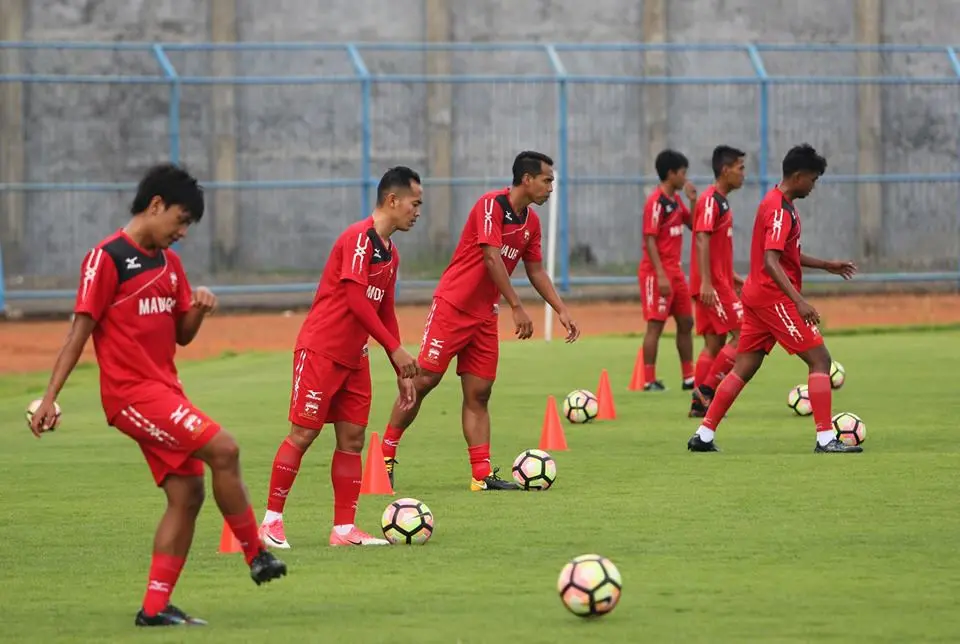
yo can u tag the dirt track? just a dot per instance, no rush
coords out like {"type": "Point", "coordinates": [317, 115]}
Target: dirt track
{"type": "Point", "coordinates": [33, 345]}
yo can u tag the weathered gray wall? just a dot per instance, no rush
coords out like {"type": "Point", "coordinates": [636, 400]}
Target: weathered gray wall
{"type": "Point", "coordinates": [111, 132]}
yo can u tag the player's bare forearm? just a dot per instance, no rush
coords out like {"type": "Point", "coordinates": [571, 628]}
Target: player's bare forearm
{"type": "Point", "coordinates": [771, 264]}
{"type": "Point", "coordinates": [651, 243]}
{"type": "Point", "coordinates": [544, 285]}
{"type": "Point", "coordinates": [83, 326]}
{"type": "Point", "coordinates": [808, 261]}
{"type": "Point", "coordinates": [499, 275]}
{"type": "Point", "coordinates": [188, 326]}
{"type": "Point", "coordinates": [703, 257]}
{"type": "Point", "coordinates": [388, 315]}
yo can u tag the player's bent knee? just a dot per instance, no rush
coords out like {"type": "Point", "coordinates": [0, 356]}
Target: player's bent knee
{"type": "Point", "coordinates": [684, 324]}
{"type": "Point", "coordinates": [427, 381]}
{"type": "Point", "coordinates": [350, 437]}
{"type": "Point", "coordinates": [818, 359]}
{"type": "Point", "coordinates": [302, 437]}
{"type": "Point", "coordinates": [185, 493]}
{"type": "Point", "coordinates": [221, 453]}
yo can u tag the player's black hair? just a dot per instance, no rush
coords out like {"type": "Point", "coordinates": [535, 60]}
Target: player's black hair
{"type": "Point", "coordinates": [174, 185]}
{"type": "Point", "coordinates": [397, 177]}
{"type": "Point", "coordinates": [529, 162]}
{"type": "Point", "coordinates": [803, 158]}
{"type": "Point", "coordinates": [670, 161]}
{"type": "Point", "coordinates": [724, 155]}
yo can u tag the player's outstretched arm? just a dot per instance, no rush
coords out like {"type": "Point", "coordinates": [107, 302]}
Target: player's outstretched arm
{"type": "Point", "coordinates": [80, 331]}
{"type": "Point", "coordinates": [838, 267]}
{"type": "Point", "coordinates": [500, 276]}
{"type": "Point", "coordinates": [544, 285]}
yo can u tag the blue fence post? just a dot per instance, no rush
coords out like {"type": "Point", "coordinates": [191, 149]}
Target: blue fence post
{"type": "Point", "coordinates": [173, 132]}
{"type": "Point", "coordinates": [360, 67]}
{"type": "Point", "coordinates": [563, 167]}
{"type": "Point", "coordinates": [955, 62]}
{"type": "Point", "coordinates": [764, 116]}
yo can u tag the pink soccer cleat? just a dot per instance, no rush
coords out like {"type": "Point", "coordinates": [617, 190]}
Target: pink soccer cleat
{"type": "Point", "coordinates": [272, 534]}
{"type": "Point", "coordinates": [356, 537]}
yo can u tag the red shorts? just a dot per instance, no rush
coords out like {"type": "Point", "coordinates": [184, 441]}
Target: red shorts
{"type": "Point", "coordinates": [325, 391]}
{"type": "Point", "coordinates": [169, 429]}
{"type": "Point", "coordinates": [722, 318]}
{"type": "Point", "coordinates": [450, 332]}
{"type": "Point", "coordinates": [657, 308]}
{"type": "Point", "coordinates": [778, 323]}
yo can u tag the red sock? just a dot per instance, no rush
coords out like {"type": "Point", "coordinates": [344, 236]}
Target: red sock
{"type": "Point", "coordinates": [721, 366]}
{"type": "Point", "coordinates": [649, 372]}
{"type": "Point", "coordinates": [687, 369]}
{"type": "Point", "coordinates": [726, 393]}
{"type": "Point", "coordinates": [164, 573]}
{"type": "Point", "coordinates": [346, 474]}
{"type": "Point", "coordinates": [246, 531]}
{"type": "Point", "coordinates": [480, 461]}
{"type": "Point", "coordinates": [704, 362]}
{"type": "Point", "coordinates": [821, 399]}
{"type": "Point", "coordinates": [391, 440]}
{"type": "Point", "coordinates": [286, 464]}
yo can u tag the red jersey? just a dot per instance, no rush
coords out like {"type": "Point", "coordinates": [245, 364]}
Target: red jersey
{"type": "Point", "coordinates": [713, 215]}
{"type": "Point", "coordinates": [466, 283]}
{"type": "Point", "coordinates": [664, 217]}
{"type": "Point", "coordinates": [136, 297]}
{"type": "Point", "coordinates": [777, 227]}
{"type": "Point", "coordinates": [331, 329]}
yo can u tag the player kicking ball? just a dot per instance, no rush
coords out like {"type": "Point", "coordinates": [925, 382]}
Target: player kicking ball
{"type": "Point", "coordinates": [663, 286]}
{"type": "Point", "coordinates": [136, 302]}
{"type": "Point", "coordinates": [718, 309]}
{"type": "Point", "coordinates": [501, 229]}
{"type": "Point", "coordinates": [331, 367]}
{"type": "Point", "coordinates": [774, 311]}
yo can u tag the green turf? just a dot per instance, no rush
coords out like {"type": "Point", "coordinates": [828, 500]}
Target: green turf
{"type": "Point", "coordinates": [763, 542]}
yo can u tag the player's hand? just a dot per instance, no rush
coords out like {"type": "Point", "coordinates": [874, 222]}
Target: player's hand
{"type": "Point", "coordinates": [573, 331]}
{"type": "Point", "coordinates": [408, 393]}
{"type": "Point", "coordinates": [846, 270]}
{"type": "Point", "coordinates": [708, 295]}
{"type": "Point", "coordinates": [44, 417]}
{"type": "Point", "coordinates": [204, 300]}
{"type": "Point", "coordinates": [405, 363]}
{"type": "Point", "coordinates": [663, 283]}
{"type": "Point", "coordinates": [807, 312]}
{"type": "Point", "coordinates": [524, 325]}
{"type": "Point", "coordinates": [690, 190]}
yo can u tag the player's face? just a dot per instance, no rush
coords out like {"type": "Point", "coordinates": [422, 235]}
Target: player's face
{"type": "Point", "coordinates": [540, 186]}
{"type": "Point", "coordinates": [805, 183]}
{"type": "Point", "coordinates": [406, 206]}
{"type": "Point", "coordinates": [735, 174]}
{"type": "Point", "coordinates": [678, 178]}
{"type": "Point", "coordinates": [168, 223]}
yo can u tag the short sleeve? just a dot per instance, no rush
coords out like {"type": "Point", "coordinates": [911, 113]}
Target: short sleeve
{"type": "Point", "coordinates": [777, 226]}
{"type": "Point", "coordinates": [705, 220]}
{"type": "Point", "coordinates": [355, 266]}
{"type": "Point", "coordinates": [685, 215]}
{"type": "Point", "coordinates": [534, 250]}
{"type": "Point", "coordinates": [184, 292]}
{"type": "Point", "coordinates": [488, 218]}
{"type": "Point", "coordinates": [98, 284]}
{"type": "Point", "coordinates": [652, 214]}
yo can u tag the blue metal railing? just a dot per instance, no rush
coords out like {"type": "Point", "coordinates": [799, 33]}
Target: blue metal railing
{"type": "Point", "coordinates": [558, 73]}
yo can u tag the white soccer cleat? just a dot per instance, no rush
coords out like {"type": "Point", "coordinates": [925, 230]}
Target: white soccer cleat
{"type": "Point", "coordinates": [272, 534]}
{"type": "Point", "coordinates": [356, 537]}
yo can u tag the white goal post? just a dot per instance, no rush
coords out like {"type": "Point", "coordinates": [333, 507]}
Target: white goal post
{"type": "Point", "coordinates": [552, 232]}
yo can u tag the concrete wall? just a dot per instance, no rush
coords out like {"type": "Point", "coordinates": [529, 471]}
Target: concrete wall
{"type": "Point", "coordinates": [111, 132]}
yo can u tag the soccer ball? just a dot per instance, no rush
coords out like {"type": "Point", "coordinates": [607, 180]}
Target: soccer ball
{"type": "Point", "coordinates": [32, 409]}
{"type": "Point", "coordinates": [799, 401]}
{"type": "Point", "coordinates": [850, 428]}
{"type": "Point", "coordinates": [589, 586]}
{"type": "Point", "coordinates": [837, 375]}
{"type": "Point", "coordinates": [580, 406]}
{"type": "Point", "coordinates": [534, 469]}
{"type": "Point", "coordinates": [407, 521]}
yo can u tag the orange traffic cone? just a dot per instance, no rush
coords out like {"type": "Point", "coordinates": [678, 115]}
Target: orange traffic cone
{"type": "Point", "coordinates": [636, 380]}
{"type": "Point", "coordinates": [551, 436]}
{"type": "Point", "coordinates": [607, 410]}
{"type": "Point", "coordinates": [228, 541]}
{"type": "Point", "coordinates": [375, 478]}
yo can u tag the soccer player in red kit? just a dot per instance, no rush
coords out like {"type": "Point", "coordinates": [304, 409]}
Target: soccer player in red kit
{"type": "Point", "coordinates": [136, 302]}
{"type": "Point", "coordinates": [663, 286]}
{"type": "Point", "coordinates": [718, 309]}
{"type": "Point", "coordinates": [774, 311]}
{"type": "Point", "coordinates": [502, 229]}
{"type": "Point", "coordinates": [331, 368]}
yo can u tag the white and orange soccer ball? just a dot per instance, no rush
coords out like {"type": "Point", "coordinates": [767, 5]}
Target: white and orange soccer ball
{"type": "Point", "coordinates": [32, 409]}
{"type": "Point", "coordinates": [590, 586]}
{"type": "Point", "coordinates": [838, 375]}
{"type": "Point", "coordinates": [534, 469]}
{"type": "Point", "coordinates": [850, 428]}
{"type": "Point", "coordinates": [799, 401]}
{"type": "Point", "coordinates": [580, 406]}
{"type": "Point", "coordinates": [407, 521]}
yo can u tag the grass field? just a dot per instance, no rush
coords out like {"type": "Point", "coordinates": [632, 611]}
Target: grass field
{"type": "Point", "coordinates": [763, 542]}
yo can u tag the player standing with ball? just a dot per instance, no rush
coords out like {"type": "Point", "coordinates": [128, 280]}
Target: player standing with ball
{"type": "Point", "coordinates": [136, 302]}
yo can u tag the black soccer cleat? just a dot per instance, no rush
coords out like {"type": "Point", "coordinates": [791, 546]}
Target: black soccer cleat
{"type": "Point", "coordinates": [191, 621]}
{"type": "Point", "coordinates": [493, 483]}
{"type": "Point", "coordinates": [697, 444]}
{"type": "Point", "coordinates": [687, 385]}
{"type": "Point", "coordinates": [163, 618]}
{"type": "Point", "coordinates": [390, 464]}
{"type": "Point", "coordinates": [266, 567]}
{"type": "Point", "coordinates": [837, 446]}
{"type": "Point", "coordinates": [656, 385]}
{"type": "Point", "coordinates": [700, 401]}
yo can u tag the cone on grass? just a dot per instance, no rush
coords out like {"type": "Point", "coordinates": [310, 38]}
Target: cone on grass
{"type": "Point", "coordinates": [228, 541]}
{"type": "Point", "coordinates": [636, 380]}
{"type": "Point", "coordinates": [607, 410]}
{"type": "Point", "coordinates": [375, 479]}
{"type": "Point", "coordinates": [551, 435]}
